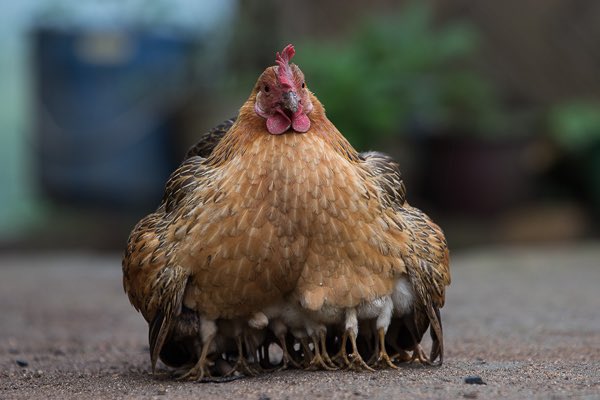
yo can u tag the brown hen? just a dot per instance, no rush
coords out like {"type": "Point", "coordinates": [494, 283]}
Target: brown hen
{"type": "Point", "coordinates": [273, 219]}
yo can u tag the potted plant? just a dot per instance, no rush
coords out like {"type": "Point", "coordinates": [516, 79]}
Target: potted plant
{"type": "Point", "coordinates": [574, 126]}
{"type": "Point", "coordinates": [403, 83]}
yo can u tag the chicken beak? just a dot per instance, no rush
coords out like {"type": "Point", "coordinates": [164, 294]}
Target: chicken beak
{"type": "Point", "coordinates": [290, 101]}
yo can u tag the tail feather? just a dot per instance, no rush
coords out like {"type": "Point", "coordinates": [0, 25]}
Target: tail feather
{"type": "Point", "coordinates": [421, 286]}
{"type": "Point", "coordinates": [170, 285]}
{"type": "Point", "coordinates": [157, 336]}
{"type": "Point", "coordinates": [437, 347]}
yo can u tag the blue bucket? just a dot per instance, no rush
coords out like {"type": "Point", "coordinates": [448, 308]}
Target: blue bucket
{"type": "Point", "coordinates": [103, 104]}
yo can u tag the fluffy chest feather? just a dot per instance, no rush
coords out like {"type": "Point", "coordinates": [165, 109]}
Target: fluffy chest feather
{"type": "Point", "coordinates": [289, 213]}
{"type": "Point", "coordinates": [297, 179]}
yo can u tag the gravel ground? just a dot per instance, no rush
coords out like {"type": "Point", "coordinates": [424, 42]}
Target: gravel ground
{"type": "Point", "coordinates": [526, 321]}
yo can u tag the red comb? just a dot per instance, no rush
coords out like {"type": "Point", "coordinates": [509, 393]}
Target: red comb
{"type": "Point", "coordinates": [283, 60]}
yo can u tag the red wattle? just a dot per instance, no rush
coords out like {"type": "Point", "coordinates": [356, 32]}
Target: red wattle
{"type": "Point", "coordinates": [278, 123]}
{"type": "Point", "coordinates": [300, 123]}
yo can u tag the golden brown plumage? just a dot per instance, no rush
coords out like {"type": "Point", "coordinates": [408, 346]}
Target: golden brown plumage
{"type": "Point", "coordinates": [253, 219]}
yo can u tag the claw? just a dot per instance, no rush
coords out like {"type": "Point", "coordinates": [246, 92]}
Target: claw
{"type": "Point", "coordinates": [356, 361]}
{"type": "Point", "coordinates": [200, 370]}
{"type": "Point", "coordinates": [317, 361]}
{"type": "Point", "coordinates": [341, 358]}
{"type": "Point", "coordinates": [196, 373]}
{"type": "Point", "coordinates": [383, 360]}
{"type": "Point", "coordinates": [324, 353]}
{"type": "Point", "coordinates": [241, 365]}
{"type": "Point", "coordinates": [401, 357]}
{"type": "Point", "coordinates": [257, 356]}
{"type": "Point", "coordinates": [287, 359]}
{"type": "Point", "coordinates": [419, 355]}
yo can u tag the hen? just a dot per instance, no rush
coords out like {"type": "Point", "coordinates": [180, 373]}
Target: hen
{"type": "Point", "coordinates": [275, 229]}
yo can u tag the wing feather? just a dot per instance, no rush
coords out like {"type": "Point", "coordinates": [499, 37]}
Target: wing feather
{"type": "Point", "coordinates": [209, 140]}
{"type": "Point", "coordinates": [425, 253]}
{"type": "Point", "coordinates": [385, 172]}
{"type": "Point", "coordinates": [152, 279]}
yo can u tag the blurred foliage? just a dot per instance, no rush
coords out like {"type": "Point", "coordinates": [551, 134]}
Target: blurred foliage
{"type": "Point", "coordinates": [401, 74]}
{"type": "Point", "coordinates": [576, 124]}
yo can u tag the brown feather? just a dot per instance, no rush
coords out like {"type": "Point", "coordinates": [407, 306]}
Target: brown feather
{"type": "Point", "coordinates": [250, 219]}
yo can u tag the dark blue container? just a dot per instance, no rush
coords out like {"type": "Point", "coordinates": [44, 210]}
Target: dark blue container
{"type": "Point", "coordinates": [103, 104]}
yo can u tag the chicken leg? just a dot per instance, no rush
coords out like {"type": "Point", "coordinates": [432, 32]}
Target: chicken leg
{"type": "Point", "coordinates": [280, 330]}
{"type": "Point", "coordinates": [383, 359]}
{"type": "Point", "coordinates": [324, 353]}
{"type": "Point", "coordinates": [286, 359]}
{"type": "Point", "coordinates": [252, 343]}
{"type": "Point", "coordinates": [208, 331]}
{"type": "Point", "coordinates": [419, 355]}
{"type": "Point", "coordinates": [241, 365]}
{"type": "Point", "coordinates": [341, 358]}
{"type": "Point", "coordinates": [200, 370]}
{"type": "Point", "coordinates": [418, 352]}
{"type": "Point", "coordinates": [383, 308]}
{"type": "Point", "coordinates": [318, 362]}
{"type": "Point", "coordinates": [401, 356]}
{"type": "Point", "coordinates": [307, 353]}
{"type": "Point", "coordinates": [356, 361]}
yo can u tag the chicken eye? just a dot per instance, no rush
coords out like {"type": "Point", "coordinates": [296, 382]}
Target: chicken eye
{"type": "Point", "coordinates": [303, 85]}
{"type": "Point", "coordinates": [266, 89]}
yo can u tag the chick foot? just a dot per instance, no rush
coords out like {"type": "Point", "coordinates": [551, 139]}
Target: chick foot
{"type": "Point", "coordinates": [286, 359]}
{"type": "Point", "coordinates": [419, 355]}
{"type": "Point", "coordinates": [341, 358]}
{"type": "Point", "coordinates": [253, 350]}
{"type": "Point", "coordinates": [317, 361]}
{"type": "Point", "coordinates": [241, 365]}
{"type": "Point", "coordinates": [356, 361]}
{"type": "Point", "coordinates": [401, 357]}
{"type": "Point", "coordinates": [383, 359]}
{"type": "Point", "coordinates": [199, 371]}
{"type": "Point", "coordinates": [324, 353]}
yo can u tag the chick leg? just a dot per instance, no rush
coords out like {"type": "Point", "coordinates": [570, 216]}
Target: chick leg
{"type": "Point", "coordinates": [306, 352]}
{"type": "Point", "coordinates": [324, 353]}
{"type": "Point", "coordinates": [317, 361]}
{"type": "Point", "coordinates": [264, 356]}
{"type": "Point", "coordinates": [252, 348]}
{"type": "Point", "coordinates": [208, 331]}
{"type": "Point", "coordinates": [383, 359]}
{"type": "Point", "coordinates": [419, 355]}
{"type": "Point", "coordinates": [374, 353]}
{"type": "Point", "coordinates": [356, 361]}
{"type": "Point", "coordinates": [418, 352]}
{"type": "Point", "coordinates": [241, 365]}
{"type": "Point", "coordinates": [200, 370]}
{"type": "Point", "coordinates": [341, 358]}
{"type": "Point", "coordinates": [401, 355]}
{"type": "Point", "coordinates": [371, 342]}
{"type": "Point", "coordinates": [286, 358]}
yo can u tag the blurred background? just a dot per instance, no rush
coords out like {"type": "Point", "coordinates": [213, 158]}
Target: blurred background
{"type": "Point", "coordinates": [492, 108]}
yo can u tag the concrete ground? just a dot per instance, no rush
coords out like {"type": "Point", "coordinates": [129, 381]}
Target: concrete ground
{"type": "Point", "coordinates": [526, 321]}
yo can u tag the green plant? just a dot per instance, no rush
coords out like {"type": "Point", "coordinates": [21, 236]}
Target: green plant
{"type": "Point", "coordinates": [400, 73]}
{"type": "Point", "coordinates": [575, 124]}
